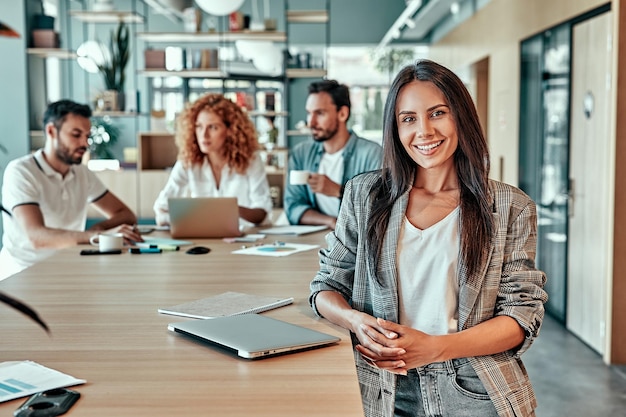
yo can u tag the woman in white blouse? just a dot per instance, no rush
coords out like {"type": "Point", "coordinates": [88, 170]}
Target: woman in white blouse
{"type": "Point", "coordinates": [217, 157]}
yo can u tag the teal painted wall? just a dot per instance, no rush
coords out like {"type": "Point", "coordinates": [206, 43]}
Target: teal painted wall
{"type": "Point", "coordinates": [13, 106]}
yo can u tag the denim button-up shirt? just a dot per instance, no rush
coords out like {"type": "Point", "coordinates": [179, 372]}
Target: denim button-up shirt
{"type": "Point", "coordinates": [359, 155]}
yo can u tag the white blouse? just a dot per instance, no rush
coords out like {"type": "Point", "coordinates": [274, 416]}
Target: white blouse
{"type": "Point", "coordinates": [251, 188]}
{"type": "Point", "coordinates": [428, 286]}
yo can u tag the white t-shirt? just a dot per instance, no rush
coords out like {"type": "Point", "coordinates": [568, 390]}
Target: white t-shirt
{"type": "Point", "coordinates": [428, 287]}
{"type": "Point", "coordinates": [332, 166]}
{"type": "Point", "coordinates": [251, 189]}
{"type": "Point", "coordinates": [63, 202]}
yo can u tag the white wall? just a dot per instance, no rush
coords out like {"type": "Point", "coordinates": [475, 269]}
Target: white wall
{"type": "Point", "coordinates": [496, 31]}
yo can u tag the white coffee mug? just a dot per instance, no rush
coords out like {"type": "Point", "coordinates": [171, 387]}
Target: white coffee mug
{"type": "Point", "coordinates": [298, 177]}
{"type": "Point", "coordinates": [108, 241]}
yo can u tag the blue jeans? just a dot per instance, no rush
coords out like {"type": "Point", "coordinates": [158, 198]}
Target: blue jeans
{"type": "Point", "coordinates": [443, 389]}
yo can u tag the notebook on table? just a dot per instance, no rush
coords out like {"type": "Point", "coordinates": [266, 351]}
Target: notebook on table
{"type": "Point", "coordinates": [296, 230]}
{"type": "Point", "coordinates": [253, 336]}
{"type": "Point", "coordinates": [229, 303]}
{"type": "Point", "coordinates": [204, 217]}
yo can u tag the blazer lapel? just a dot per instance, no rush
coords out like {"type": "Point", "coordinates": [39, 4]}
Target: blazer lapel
{"type": "Point", "coordinates": [387, 273]}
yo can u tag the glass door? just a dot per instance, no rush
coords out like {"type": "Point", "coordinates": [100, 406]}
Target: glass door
{"type": "Point", "coordinates": [544, 147]}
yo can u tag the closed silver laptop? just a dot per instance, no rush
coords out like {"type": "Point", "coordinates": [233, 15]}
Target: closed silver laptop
{"type": "Point", "coordinates": [254, 336]}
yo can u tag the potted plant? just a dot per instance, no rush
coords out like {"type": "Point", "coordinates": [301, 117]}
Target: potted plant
{"type": "Point", "coordinates": [102, 137]}
{"type": "Point", "coordinates": [42, 20]}
{"type": "Point", "coordinates": [113, 67]}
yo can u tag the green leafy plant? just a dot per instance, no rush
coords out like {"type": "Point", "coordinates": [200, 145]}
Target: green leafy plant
{"type": "Point", "coordinates": [103, 135]}
{"type": "Point", "coordinates": [389, 60]}
{"type": "Point", "coordinates": [113, 69]}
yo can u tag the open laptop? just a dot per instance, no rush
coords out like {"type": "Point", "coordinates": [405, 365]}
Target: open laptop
{"type": "Point", "coordinates": [253, 336]}
{"type": "Point", "coordinates": [204, 217]}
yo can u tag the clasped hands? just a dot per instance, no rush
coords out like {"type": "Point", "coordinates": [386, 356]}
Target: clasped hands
{"type": "Point", "coordinates": [394, 347]}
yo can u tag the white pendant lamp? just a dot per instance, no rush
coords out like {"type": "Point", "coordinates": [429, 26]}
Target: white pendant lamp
{"type": "Point", "coordinates": [219, 7]}
{"type": "Point", "coordinates": [90, 55]}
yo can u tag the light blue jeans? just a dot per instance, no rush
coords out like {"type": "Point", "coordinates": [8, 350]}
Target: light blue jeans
{"type": "Point", "coordinates": [443, 389]}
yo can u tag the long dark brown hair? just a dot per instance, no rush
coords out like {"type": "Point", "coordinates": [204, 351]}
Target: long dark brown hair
{"type": "Point", "coordinates": [471, 159]}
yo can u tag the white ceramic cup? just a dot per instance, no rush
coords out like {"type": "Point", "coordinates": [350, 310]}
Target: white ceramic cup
{"type": "Point", "coordinates": [298, 177]}
{"type": "Point", "coordinates": [108, 241]}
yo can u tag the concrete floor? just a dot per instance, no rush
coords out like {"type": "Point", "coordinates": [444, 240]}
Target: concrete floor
{"type": "Point", "coordinates": [570, 379]}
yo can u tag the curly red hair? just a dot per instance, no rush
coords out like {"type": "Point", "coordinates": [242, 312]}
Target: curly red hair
{"type": "Point", "coordinates": [241, 139]}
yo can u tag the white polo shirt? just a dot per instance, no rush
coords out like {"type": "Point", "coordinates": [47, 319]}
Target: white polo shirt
{"type": "Point", "coordinates": [63, 203]}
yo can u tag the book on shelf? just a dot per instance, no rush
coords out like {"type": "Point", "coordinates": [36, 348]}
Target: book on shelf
{"type": "Point", "coordinates": [229, 303]}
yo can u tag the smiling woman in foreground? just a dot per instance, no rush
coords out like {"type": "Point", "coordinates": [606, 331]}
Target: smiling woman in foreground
{"type": "Point", "coordinates": [432, 264]}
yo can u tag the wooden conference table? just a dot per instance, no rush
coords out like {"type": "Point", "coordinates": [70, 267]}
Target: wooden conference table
{"type": "Point", "coordinates": [102, 313]}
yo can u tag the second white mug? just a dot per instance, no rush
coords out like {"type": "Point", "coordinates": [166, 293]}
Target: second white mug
{"type": "Point", "coordinates": [298, 177]}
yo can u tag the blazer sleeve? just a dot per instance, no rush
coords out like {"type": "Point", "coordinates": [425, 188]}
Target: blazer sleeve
{"type": "Point", "coordinates": [338, 260]}
{"type": "Point", "coordinates": [521, 295]}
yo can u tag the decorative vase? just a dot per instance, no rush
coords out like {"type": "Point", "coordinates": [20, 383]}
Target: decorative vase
{"type": "Point", "coordinates": [112, 100]}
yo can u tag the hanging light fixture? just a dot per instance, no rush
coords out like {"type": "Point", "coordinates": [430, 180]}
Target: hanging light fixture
{"type": "Point", "coordinates": [91, 54]}
{"type": "Point", "coordinates": [219, 7]}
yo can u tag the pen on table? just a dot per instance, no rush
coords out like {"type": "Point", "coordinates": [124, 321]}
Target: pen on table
{"type": "Point", "coordinates": [153, 246]}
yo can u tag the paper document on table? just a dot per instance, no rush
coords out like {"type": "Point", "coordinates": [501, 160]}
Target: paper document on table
{"type": "Point", "coordinates": [276, 250]}
{"type": "Point", "coordinates": [24, 378]}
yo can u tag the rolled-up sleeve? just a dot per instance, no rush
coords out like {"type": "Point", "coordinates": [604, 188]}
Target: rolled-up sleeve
{"type": "Point", "coordinates": [521, 295]}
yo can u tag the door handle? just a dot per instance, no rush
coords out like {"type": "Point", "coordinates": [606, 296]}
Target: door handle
{"type": "Point", "coordinates": [571, 197]}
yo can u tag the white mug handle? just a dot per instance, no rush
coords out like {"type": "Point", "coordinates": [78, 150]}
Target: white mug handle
{"type": "Point", "coordinates": [94, 240]}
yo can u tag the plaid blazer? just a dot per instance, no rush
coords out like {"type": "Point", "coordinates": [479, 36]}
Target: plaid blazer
{"type": "Point", "coordinates": [508, 284]}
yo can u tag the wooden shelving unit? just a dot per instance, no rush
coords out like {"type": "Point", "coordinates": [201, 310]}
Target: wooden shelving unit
{"type": "Point", "coordinates": [118, 114]}
{"type": "Point", "coordinates": [305, 73]}
{"type": "Point", "coordinates": [51, 53]}
{"type": "Point", "coordinates": [186, 73]}
{"type": "Point", "coordinates": [156, 151]}
{"type": "Point", "coordinates": [307, 16]}
{"type": "Point", "coordinates": [265, 113]}
{"type": "Point", "coordinates": [90, 16]}
{"type": "Point", "coordinates": [211, 37]}
{"type": "Point", "coordinates": [298, 132]}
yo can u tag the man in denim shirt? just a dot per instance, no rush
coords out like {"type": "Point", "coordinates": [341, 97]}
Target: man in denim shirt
{"type": "Point", "coordinates": [335, 155]}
